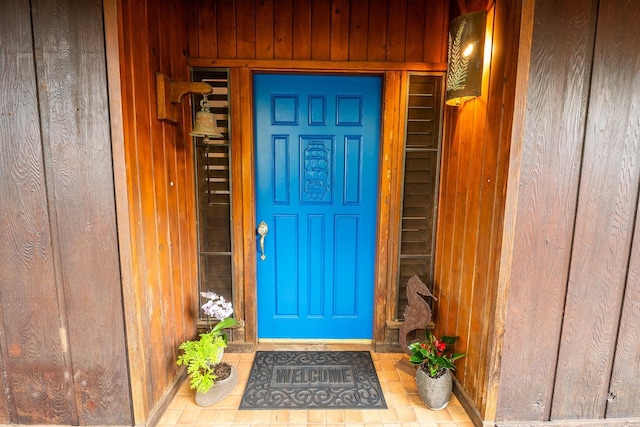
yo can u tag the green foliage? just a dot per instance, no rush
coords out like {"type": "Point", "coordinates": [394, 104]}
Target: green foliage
{"type": "Point", "coordinates": [432, 356]}
{"type": "Point", "coordinates": [200, 356]}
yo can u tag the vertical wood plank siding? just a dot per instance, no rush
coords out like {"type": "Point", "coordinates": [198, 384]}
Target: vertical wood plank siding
{"type": "Point", "coordinates": [605, 216]}
{"type": "Point", "coordinates": [544, 228]}
{"type": "Point", "coordinates": [571, 336]}
{"type": "Point", "coordinates": [283, 40]}
{"type": "Point", "coordinates": [32, 355]}
{"type": "Point", "coordinates": [473, 178]}
{"type": "Point", "coordinates": [377, 35]}
{"type": "Point", "coordinates": [624, 393]}
{"type": "Point", "coordinates": [323, 30]}
{"type": "Point", "coordinates": [75, 121]}
{"type": "Point", "coordinates": [160, 195]}
{"type": "Point", "coordinates": [246, 30]}
{"type": "Point", "coordinates": [63, 351]}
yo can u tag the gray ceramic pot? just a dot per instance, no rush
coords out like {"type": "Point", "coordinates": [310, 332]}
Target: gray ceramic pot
{"type": "Point", "coordinates": [219, 391]}
{"type": "Point", "coordinates": [435, 392]}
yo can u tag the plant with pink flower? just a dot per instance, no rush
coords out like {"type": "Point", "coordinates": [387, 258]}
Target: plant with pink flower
{"type": "Point", "coordinates": [216, 307]}
{"type": "Point", "coordinates": [203, 357]}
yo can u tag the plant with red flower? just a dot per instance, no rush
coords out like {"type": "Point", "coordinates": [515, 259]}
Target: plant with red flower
{"type": "Point", "coordinates": [433, 355]}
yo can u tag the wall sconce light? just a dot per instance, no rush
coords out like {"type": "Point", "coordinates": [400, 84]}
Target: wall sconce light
{"type": "Point", "coordinates": [465, 57]}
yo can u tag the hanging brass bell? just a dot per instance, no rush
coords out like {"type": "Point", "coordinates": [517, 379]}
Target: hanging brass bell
{"type": "Point", "coordinates": [205, 124]}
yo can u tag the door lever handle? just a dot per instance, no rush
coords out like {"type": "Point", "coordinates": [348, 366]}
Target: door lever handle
{"type": "Point", "coordinates": [262, 231]}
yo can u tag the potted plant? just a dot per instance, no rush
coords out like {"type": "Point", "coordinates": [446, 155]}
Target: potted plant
{"type": "Point", "coordinates": [435, 363]}
{"type": "Point", "coordinates": [209, 376]}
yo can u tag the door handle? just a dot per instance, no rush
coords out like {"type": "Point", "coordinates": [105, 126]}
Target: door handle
{"type": "Point", "coordinates": [262, 231]}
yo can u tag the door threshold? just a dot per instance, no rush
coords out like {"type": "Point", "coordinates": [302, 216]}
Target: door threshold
{"type": "Point", "coordinates": [313, 341]}
{"type": "Point", "coordinates": [314, 344]}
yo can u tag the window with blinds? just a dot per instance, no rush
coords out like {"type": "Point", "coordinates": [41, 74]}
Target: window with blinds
{"type": "Point", "coordinates": [420, 189]}
{"type": "Point", "coordinates": [213, 186]}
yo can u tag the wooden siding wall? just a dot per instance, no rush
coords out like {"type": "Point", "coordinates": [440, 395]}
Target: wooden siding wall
{"type": "Point", "coordinates": [62, 343]}
{"type": "Point", "coordinates": [571, 343]}
{"type": "Point", "coordinates": [473, 179]}
{"type": "Point", "coordinates": [319, 30]}
{"type": "Point", "coordinates": [157, 184]}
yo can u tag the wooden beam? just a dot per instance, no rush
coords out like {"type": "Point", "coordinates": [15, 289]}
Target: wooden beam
{"type": "Point", "coordinates": [289, 65]}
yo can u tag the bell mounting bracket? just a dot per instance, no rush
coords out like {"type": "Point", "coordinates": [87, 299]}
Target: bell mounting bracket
{"type": "Point", "coordinates": [170, 94]}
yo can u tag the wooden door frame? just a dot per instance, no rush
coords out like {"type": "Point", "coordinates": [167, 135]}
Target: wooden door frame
{"type": "Point", "coordinates": [393, 103]}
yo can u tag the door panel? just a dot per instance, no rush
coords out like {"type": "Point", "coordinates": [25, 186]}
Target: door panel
{"type": "Point", "coordinates": [317, 144]}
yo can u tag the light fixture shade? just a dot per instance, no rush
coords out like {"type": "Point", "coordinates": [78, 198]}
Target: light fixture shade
{"type": "Point", "coordinates": [205, 125]}
{"type": "Point", "coordinates": [465, 57]}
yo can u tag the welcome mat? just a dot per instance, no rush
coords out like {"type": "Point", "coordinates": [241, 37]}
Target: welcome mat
{"type": "Point", "coordinates": [313, 380]}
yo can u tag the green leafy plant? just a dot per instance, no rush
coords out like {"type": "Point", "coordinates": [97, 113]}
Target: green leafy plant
{"type": "Point", "coordinates": [434, 355]}
{"type": "Point", "coordinates": [202, 356]}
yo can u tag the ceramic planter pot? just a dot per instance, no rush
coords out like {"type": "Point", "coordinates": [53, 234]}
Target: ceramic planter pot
{"type": "Point", "coordinates": [219, 391]}
{"type": "Point", "coordinates": [434, 392]}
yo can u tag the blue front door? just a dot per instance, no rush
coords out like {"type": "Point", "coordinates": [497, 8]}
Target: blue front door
{"type": "Point", "coordinates": [316, 155]}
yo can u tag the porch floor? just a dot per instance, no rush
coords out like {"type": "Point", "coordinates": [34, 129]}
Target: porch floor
{"type": "Point", "coordinates": [405, 409]}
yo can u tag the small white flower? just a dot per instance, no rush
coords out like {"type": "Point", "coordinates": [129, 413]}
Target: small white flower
{"type": "Point", "coordinates": [216, 307]}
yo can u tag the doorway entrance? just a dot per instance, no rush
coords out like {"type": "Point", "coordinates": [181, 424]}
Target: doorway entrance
{"type": "Point", "coordinates": [317, 144]}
